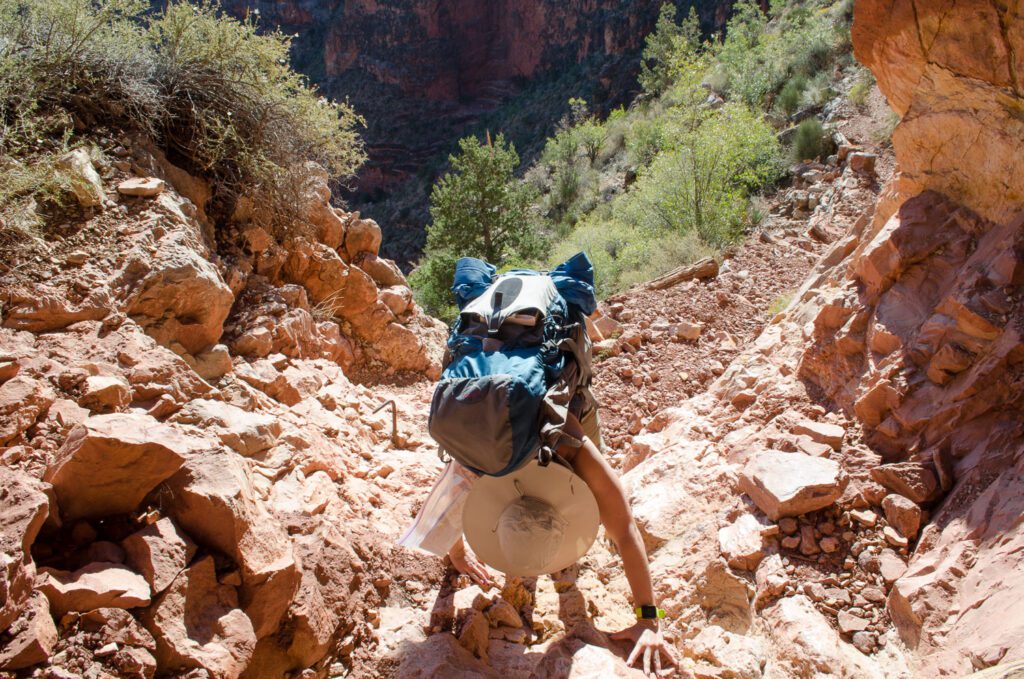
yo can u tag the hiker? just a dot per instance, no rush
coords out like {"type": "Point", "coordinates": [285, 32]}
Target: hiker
{"type": "Point", "coordinates": [526, 483]}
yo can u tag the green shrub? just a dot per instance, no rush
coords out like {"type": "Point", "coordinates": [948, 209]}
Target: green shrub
{"type": "Point", "coordinates": [701, 181]}
{"type": "Point", "coordinates": [624, 255]}
{"type": "Point", "coordinates": [592, 136]}
{"type": "Point", "coordinates": [809, 140]}
{"type": "Point", "coordinates": [643, 141]}
{"type": "Point", "coordinates": [238, 111]}
{"type": "Point", "coordinates": [818, 90]}
{"type": "Point", "coordinates": [860, 90]}
{"type": "Point", "coordinates": [431, 283]}
{"type": "Point", "coordinates": [791, 95]}
{"type": "Point", "coordinates": [209, 89]}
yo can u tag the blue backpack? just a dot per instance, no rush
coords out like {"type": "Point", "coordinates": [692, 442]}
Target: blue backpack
{"type": "Point", "coordinates": [509, 348]}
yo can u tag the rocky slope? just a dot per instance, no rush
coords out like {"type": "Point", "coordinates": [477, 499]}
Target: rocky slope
{"type": "Point", "coordinates": [193, 484]}
{"type": "Point", "coordinates": [185, 459]}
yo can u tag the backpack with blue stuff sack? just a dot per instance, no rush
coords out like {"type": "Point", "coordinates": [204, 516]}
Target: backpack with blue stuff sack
{"type": "Point", "coordinates": [519, 360]}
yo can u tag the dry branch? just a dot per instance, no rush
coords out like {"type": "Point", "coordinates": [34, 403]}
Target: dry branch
{"type": "Point", "coordinates": [705, 268]}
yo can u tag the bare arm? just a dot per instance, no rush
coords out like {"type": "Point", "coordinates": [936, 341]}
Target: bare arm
{"type": "Point", "coordinates": [590, 465]}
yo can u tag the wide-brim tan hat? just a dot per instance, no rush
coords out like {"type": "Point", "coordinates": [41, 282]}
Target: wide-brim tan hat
{"type": "Point", "coordinates": [570, 498]}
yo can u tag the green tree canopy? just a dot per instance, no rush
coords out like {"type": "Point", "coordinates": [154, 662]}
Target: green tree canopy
{"type": "Point", "coordinates": [479, 209]}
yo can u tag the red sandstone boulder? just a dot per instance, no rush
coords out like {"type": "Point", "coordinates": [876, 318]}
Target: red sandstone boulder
{"type": "Point", "coordinates": [23, 400]}
{"type": "Point", "coordinates": [806, 645]}
{"type": "Point", "coordinates": [910, 479]}
{"type": "Point", "coordinates": [160, 552]}
{"type": "Point", "coordinates": [741, 542]}
{"type": "Point", "coordinates": [216, 503]}
{"type": "Point", "coordinates": [23, 509]}
{"type": "Point", "coordinates": [109, 463]}
{"type": "Point", "coordinates": [197, 625]}
{"type": "Point", "coordinates": [903, 515]}
{"type": "Point", "coordinates": [383, 271]}
{"type": "Point", "coordinates": [105, 393]}
{"type": "Point", "coordinates": [363, 235]}
{"type": "Point", "coordinates": [789, 484]}
{"type": "Point", "coordinates": [98, 585]}
{"type": "Point", "coordinates": [244, 432]}
{"type": "Point", "coordinates": [181, 298]}
{"type": "Point", "coordinates": [31, 638]}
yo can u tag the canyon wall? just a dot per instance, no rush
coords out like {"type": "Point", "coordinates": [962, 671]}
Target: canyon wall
{"type": "Point", "coordinates": [919, 333]}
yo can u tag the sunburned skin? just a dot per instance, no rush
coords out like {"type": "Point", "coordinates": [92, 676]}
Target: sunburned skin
{"type": "Point", "coordinates": [590, 465]}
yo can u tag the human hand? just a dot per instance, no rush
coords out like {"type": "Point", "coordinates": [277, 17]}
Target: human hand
{"type": "Point", "coordinates": [467, 564]}
{"type": "Point", "coordinates": [649, 644]}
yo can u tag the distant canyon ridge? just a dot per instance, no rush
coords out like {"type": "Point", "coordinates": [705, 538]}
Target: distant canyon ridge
{"type": "Point", "coordinates": [425, 72]}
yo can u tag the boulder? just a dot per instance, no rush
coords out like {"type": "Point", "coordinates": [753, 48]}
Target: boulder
{"type": "Point", "coordinates": [363, 235]}
{"type": "Point", "coordinates": [30, 640]}
{"type": "Point", "coordinates": [903, 515]}
{"type": "Point", "coordinates": [384, 272]}
{"type": "Point", "coordinates": [742, 657]}
{"type": "Point", "coordinates": [607, 326]}
{"type": "Point", "coordinates": [741, 543]}
{"type": "Point", "coordinates": [473, 634]}
{"type": "Point", "coordinates": [576, 659]}
{"type": "Point", "coordinates": [105, 393]}
{"type": "Point", "coordinates": [821, 432]}
{"type": "Point", "coordinates": [724, 597]}
{"type": "Point", "coordinates": [197, 625]}
{"type": "Point", "coordinates": [910, 479]}
{"type": "Point", "coordinates": [289, 387]}
{"type": "Point", "coordinates": [502, 612]}
{"type": "Point", "coordinates": [686, 330]}
{"type": "Point", "coordinates": [160, 552]}
{"type": "Point", "coordinates": [180, 297]}
{"type": "Point", "coordinates": [244, 432]}
{"type": "Point", "coordinates": [84, 180]}
{"type": "Point", "coordinates": [145, 187]}
{"type": "Point", "coordinates": [398, 299]}
{"type": "Point", "coordinates": [861, 161]}
{"type": "Point", "coordinates": [850, 623]}
{"type": "Point", "coordinates": [97, 585]}
{"type": "Point", "coordinates": [216, 503]}
{"type": "Point", "coordinates": [23, 401]}
{"type": "Point", "coordinates": [890, 566]}
{"type": "Point", "coordinates": [807, 645]}
{"type": "Point", "coordinates": [110, 462]}
{"type": "Point", "coordinates": [23, 509]}
{"type": "Point", "coordinates": [214, 363]}
{"type": "Point", "coordinates": [789, 484]}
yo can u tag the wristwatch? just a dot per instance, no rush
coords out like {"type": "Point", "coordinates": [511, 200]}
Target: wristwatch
{"type": "Point", "coordinates": [649, 613]}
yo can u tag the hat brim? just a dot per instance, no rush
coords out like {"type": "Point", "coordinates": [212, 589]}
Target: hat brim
{"type": "Point", "coordinates": [553, 484]}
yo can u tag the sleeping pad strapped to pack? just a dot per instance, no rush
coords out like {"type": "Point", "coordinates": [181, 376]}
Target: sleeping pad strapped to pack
{"type": "Point", "coordinates": [509, 346]}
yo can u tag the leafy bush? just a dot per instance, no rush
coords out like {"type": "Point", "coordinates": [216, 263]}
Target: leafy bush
{"type": "Point", "coordinates": [624, 255]}
{"type": "Point", "coordinates": [701, 182]}
{"type": "Point", "coordinates": [666, 46]}
{"type": "Point", "coordinates": [592, 136]}
{"type": "Point", "coordinates": [643, 141]}
{"type": "Point", "coordinates": [762, 53]}
{"type": "Point", "coordinates": [809, 140]}
{"type": "Point", "coordinates": [220, 97]}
